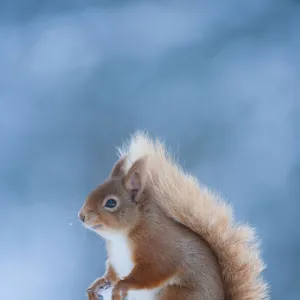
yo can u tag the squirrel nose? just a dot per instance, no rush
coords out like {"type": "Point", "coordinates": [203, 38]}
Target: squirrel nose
{"type": "Point", "coordinates": [81, 217]}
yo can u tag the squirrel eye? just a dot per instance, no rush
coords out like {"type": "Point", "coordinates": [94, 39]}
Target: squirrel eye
{"type": "Point", "coordinates": [111, 203]}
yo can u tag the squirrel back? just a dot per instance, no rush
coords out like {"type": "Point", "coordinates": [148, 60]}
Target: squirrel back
{"type": "Point", "coordinates": [182, 198]}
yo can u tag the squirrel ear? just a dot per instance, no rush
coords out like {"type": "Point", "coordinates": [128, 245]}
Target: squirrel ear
{"type": "Point", "coordinates": [135, 179]}
{"type": "Point", "coordinates": [119, 168]}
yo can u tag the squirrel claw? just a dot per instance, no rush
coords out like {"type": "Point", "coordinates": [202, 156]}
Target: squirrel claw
{"type": "Point", "coordinates": [106, 286]}
{"type": "Point", "coordinates": [97, 286]}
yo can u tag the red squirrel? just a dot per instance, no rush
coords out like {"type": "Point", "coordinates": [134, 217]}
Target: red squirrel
{"type": "Point", "coordinates": [167, 237]}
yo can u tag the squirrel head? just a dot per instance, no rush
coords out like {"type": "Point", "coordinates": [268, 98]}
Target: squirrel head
{"type": "Point", "coordinates": [113, 207]}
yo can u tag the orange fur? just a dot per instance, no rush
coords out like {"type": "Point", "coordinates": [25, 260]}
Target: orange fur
{"type": "Point", "coordinates": [182, 198]}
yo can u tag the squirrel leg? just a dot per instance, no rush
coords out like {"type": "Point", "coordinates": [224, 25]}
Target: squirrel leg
{"type": "Point", "coordinates": [109, 279]}
{"type": "Point", "coordinates": [178, 293]}
{"type": "Point", "coordinates": [92, 290]}
{"type": "Point", "coordinates": [141, 277]}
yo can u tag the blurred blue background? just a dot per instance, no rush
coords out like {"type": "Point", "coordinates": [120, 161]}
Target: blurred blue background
{"type": "Point", "coordinates": [218, 80]}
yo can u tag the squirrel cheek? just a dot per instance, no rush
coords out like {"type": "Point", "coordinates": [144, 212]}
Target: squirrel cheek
{"type": "Point", "coordinates": [109, 222]}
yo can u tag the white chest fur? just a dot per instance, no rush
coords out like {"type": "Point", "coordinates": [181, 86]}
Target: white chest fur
{"type": "Point", "coordinates": [120, 255]}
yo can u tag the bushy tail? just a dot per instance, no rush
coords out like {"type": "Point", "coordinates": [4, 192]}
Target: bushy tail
{"type": "Point", "coordinates": [182, 198]}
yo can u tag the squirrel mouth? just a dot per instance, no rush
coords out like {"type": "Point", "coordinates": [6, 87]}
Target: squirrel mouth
{"type": "Point", "coordinates": [96, 226]}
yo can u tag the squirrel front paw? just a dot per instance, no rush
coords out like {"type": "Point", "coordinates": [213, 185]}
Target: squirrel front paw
{"type": "Point", "coordinates": [98, 284]}
{"type": "Point", "coordinates": [119, 291]}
